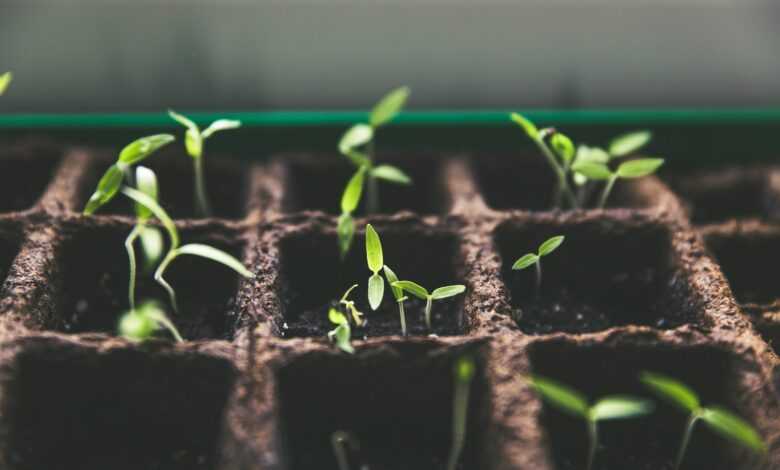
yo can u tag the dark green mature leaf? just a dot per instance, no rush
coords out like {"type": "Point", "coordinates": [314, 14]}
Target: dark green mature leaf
{"type": "Point", "coordinates": [108, 186]}
{"type": "Point", "coordinates": [550, 245]}
{"type": "Point", "coordinates": [413, 288]}
{"type": "Point", "coordinates": [525, 261]}
{"type": "Point", "coordinates": [376, 290]}
{"type": "Point", "coordinates": [447, 291]}
{"type": "Point", "coordinates": [5, 80]}
{"type": "Point", "coordinates": [639, 168]}
{"type": "Point", "coordinates": [352, 193]}
{"type": "Point", "coordinates": [216, 255]}
{"type": "Point", "coordinates": [346, 232]}
{"type": "Point", "coordinates": [562, 397]}
{"type": "Point", "coordinates": [671, 390]}
{"type": "Point", "coordinates": [389, 106]}
{"type": "Point", "coordinates": [398, 293]}
{"type": "Point", "coordinates": [563, 146]}
{"type": "Point", "coordinates": [629, 143]}
{"type": "Point", "coordinates": [391, 174]}
{"type": "Point", "coordinates": [464, 369]}
{"type": "Point", "coordinates": [146, 181]}
{"type": "Point", "coordinates": [527, 125]}
{"type": "Point", "coordinates": [620, 407]}
{"type": "Point", "coordinates": [374, 257]}
{"type": "Point", "coordinates": [141, 148]}
{"type": "Point", "coordinates": [592, 170]}
{"type": "Point", "coordinates": [733, 427]}
{"type": "Point", "coordinates": [356, 136]}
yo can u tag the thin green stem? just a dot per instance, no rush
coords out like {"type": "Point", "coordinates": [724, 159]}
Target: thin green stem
{"type": "Point", "coordinates": [132, 263]}
{"type": "Point", "coordinates": [563, 185]}
{"type": "Point", "coordinates": [607, 190]}
{"type": "Point", "coordinates": [168, 324]}
{"type": "Point", "coordinates": [538, 266]}
{"type": "Point", "coordinates": [593, 442]}
{"type": "Point", "coordinates": [428, 307]}
{"type": "Point", "coordinates": [686, 439]}
{"type": "Point", "coordinates": [402, 313]}
{"type": "Point", "coordinates": [158, 276]}
{"type": "Point", "coordinates": [202, 205]}
{"type": "Point", "coordinates": [459, 417]}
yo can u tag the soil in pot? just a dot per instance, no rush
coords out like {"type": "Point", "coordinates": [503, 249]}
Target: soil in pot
{"type": "Point", "coordinates": [9, 248]}
{"type": "Point", "coordinates": [24, 176]}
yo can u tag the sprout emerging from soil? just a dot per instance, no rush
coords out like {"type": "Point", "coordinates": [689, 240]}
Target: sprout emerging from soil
{"type": "Point", "coordinates": [140, 324]}
{"type": "Point", "coordinates": [375, 260]}
{"type": "Point", "coordinates": [422, 293]}
{"type": "Point", "coordinates": [342, 334]}
{"type": "Point", "coordinates": [5, 80]}
{"type": "Point", "coordinates": [357, 144]}
{"type": "Point", "coordinates": [535, 259]}
{"type": "Point", "coordinates": [399, 296]}
{"type": "Point", "coordinates": [463, 372]}
{"type": "Point", "coordinates": [194, 140]}
{"type": "Point", "coordinates": [574, 403]}
{"type": "Point", "coordinates": [630, 169]}
{"type": "Point", "coordinates": [719, 420]}
{"type": "Point", "coordinates": [343, 442]}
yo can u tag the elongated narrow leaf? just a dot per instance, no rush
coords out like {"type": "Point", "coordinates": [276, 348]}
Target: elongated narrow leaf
{"type": "Point", "coordinates": [146, 181]}
{"type": "Point", "coordinates": [376, 290]}
{"type": "Point", "coordinates": [346, 233]}
{"type": "Point", "coordinates": [356, 136]}
{"type": "Point", "coordinates": [592, 170]}
{"type": "Point", "coordinates": [525, 261]}
{"type": "Point", "coordinates": [620, 407]}
{"type": "Point", "coordinates": [152, 246]}
{"type": "Point", "coordinates": [374, 256]}
{"type": "Point", "coordinates": [639, 168]}
{"type": "Point", "coordinates": [563, 146]}
{"type": "Point", "coordinates": [398, 293]}
{"type": "Point", "coordinates": [527, 125]}
{"type": "Point", "coordinates": [183, 120]}
{"type": "Point", "coordinates": [447, 291]}
{"type": "Point", "coordinates": [560, 396]}
{"type": "Point", "coordinates": [627, 144]}
{"type": "Point", "coordinates": [107, 187]}
{"type": "Point", "coordinates": [733, 427]}
{"type": "Point", "coordinates": [391, 174]}
{"type": "Point", "coordinates": [341, 336]}
{"type": "Point", "coordinates": [220, 125]}
{"type": "Point", "coordinates": [5, 80]}
{"type": "Point", "coordinates": [550, 245]}
{"type": "Point", "coordinates": [352, 193]}
{"type": "Point", "coordinates": [413, 288]}
{"type": "Point", "coordinates": [158, 212]}
{"type": "Point", "coordinates": [389, 106]}
{"type": "Point", "coordinates": [216, 255]}
{"type": "Point", "coordinates": [141, 148]}
{"type": "Point", "coordinates": [671, 390]}
{"type": "Point", "coordinates": [336, 317]}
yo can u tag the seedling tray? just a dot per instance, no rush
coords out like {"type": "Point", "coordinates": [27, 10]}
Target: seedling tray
{"type": "Point", "coordinates": [675, 276]}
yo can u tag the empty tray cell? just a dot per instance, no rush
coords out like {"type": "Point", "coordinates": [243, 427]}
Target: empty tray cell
{"type": "Point", "coordinates": [78, 409]}
{"type": "Point", "coordinates": [24, 176]}
{"type": "Point", "coordinates": [646, 443]}
{"type": "Point", "coordinates": [607, 272]}
{"type": "Point", "coordinates": [316, 183]}
{"type": "Point", "coordinates": [226, 185]}
{"type": "Point", "coordinates": [94, 287]}
{"type": "Point", "coordinates": [526, 182]}
{"type": "Point", "coordinates": [312, 279]}
{"type": "Point", "coordinates": [398, 406]}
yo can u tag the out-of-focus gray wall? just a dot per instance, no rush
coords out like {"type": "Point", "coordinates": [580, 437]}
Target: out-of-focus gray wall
{"type": "Point", "coordinates": [88, 55]}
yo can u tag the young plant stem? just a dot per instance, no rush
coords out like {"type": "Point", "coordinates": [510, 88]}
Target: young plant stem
{"type": "Point", "coordinates": [607, 190]}
{"type": "Point", "coordinates": [168, 324]}
{"type": "Point", "coordinates": [372, 186]}
{"type": "Point", "coordinates": [201, 196]}
{"type": "Point", "coordinates": [340, 440]}
{"type": "Point", "coordinates": [132, 263]}
{"type": "Point", "coordinates": [158, 276]}
{"type": "Point", "coordinates": [686, 439]}
{"type": "Point", "coordinates": [459, 415]}
{"type": "Point", "coordinates": [402, 312]}
{"type": "Point", "coordinates": [538, 266]}
{"type": "Point", "coordinates": [428, 307]}
{"type": "Point", "coordinates": [563, 185]}
{"type": "Point", "coordinates": [592, 442]}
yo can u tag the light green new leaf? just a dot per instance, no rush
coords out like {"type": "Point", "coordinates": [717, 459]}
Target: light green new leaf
{"type": "Point", "coordinates": [220, 125]}
{"type": "Point", "coordinates": [561, 396]}
{"type": "Point", "coordinates": [639, 168]}
{"type": "Point", "coordinates": [391, 174]}
{"type": "Point", "coordinates": [525, 261]}
{"type": "Point", "coordinates": [193, 140]}
{"type": "Point", "coordinates": [587, 154]}
{"type": "Point", "coordinates": [447, 291]}
{"type": "Point", "coordinates": [135, 326]}
{"type": "Point", "coordinates": [413, 288]}
{"type": "Point", "coordinates": [620, 407]}
{"type": "Point", "coordinates": [374, 256]}
{"type": "Point", "coordinates": [183, 120]}
{"type": "Point", "coordinates": [592, 170]}
{"type": "Point", "coordinates": [376, 290]}
{"type": "Point", "coordinates": [146, 181]}
{"type": "Point", "coordinates": [214, 254]}
{"type": "Point", "coordinates": [152, 245]}
{"type": "Point", "coordinates": [351, 197]}
{"type": "Point", "coordinates": [733, 427]}
{"type": "Point", "coordinates": [356, 136]}
{"type": "Point", "coordinates": [563, 146]}
{"type": "Point", "coordinates": [141, 148]}
{"type": "Point", "coordinates": [337, 317]}
{"type": "Point", "coordinates": [107, 188]}
{"type": "Point", "coordinates": [550, 245]}
{"type": "Point", "coordinates": [671, 390]}
{"type": "Point", "coordinates": [389, 106]}
{"type": "Point", "coordinates": [629, 143]}
{"type": "Point", "coordinates": [5, 80]}
{"type": "Point", "coordinates": [341, 335]}
{"type": "Point", "coordinates": [346, 232]}
{"type": "Point", "coordinates": [398, 293]}
{"type": "Point", "coordinates": [527, 125]}
{"type": "Point", "coordinates": [158, 212]}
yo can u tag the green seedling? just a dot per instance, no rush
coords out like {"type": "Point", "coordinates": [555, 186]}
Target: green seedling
{"type": "Point", "coordinates": [574, 403]}
{"type": "Point", "coordinates": [375, 260]}
{"type": "Point", "coordinates": [140, 324]}
{"type": "Point", "coordinates": [342, 334]}
{"type": "Point", "coordinates": [357, 144]}
{"type": "Point", "coordinates": [718, 419]}
{"type": "Point", "coordinates": [630, 169]}
{"type": "Point", "coordinates": [194, 140]}
{"type": "Point", "coordinates": [5, 80]}
{"type": "Point", "coordinates": [421, 293]}
{"type": "Point", "coordinates": [111, 181]}
{"type": "Point", "coordinates": [535, 259]}
{"type": "Point", "coordinates": [343, 442]}
{"type": "Point", "coordinates": [349, 305]}
{"type": "Point", "coordinates": [399, 296]}
{"type": "Point", "coordinates": [463, 372]}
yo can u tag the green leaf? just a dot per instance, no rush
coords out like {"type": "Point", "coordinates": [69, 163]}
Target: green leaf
{"type": "Point", "coordinates": [587, 154]}
{"type": "Point", "coordinates": [221, 125]}
{"type": "Point", "coordinates": [391, 174]}
{"type": "Point", "coordinates": [356, 136]}
{"type": "Point", "coordinates": [389, 106]}
{"type": "Point", "coordinates": [152, 245]}
{"type": "Point", "coordinates": [140, 149]}
{"type": "Point", "coordinates": [525, 261]}
{"type": "Point", "coordinates": [146, 181]}
{"type": "Point", "coordinates": [629, 143]}
{"type": "Point", "coordinates": [346, 232]}
{"type": "Point", "coordinates": [592, 170]}
{"type": "Point", "coordinates": [620, 407]}
{"type": "Point", "coordinates": [341, 335]}
{"type": "Point", "coordinates": [216, 255]}
{"type": "Point", "coordinates": [671, 390]}
{"type": "Point", "coordinates": [527, 125]}
{"type": "Point", "coordinates": [158, 212]}
{"type": "Point", "coordinates": [447, 291]}
{"type": "Point", "coordinates": [464, 369]}
{"type": "Point", "coordinates": [374, 256]}
{"type": "Point", "coordinates": [376, 290]}
{"type": "Point", "coordinates": [563, 146]}
{"type": "Point", "coordinates": [134, 326]}
{"type": "Point", "coordinates": [562, 397]}
{"type": "Point", "coordinates": [183, 120]}
{"type": "Point", "coordinates": [107, 188]}
{"type": "Point", "coordinates": [5, 80]}
{"type": "Point", "coordinates": [413, 288]}
{"type": "Point", "coordinates": [398, 293]}
{"type": "Point", "coordinates": [550, 245]}
{"type": "Point", "coordinates": [351, 197]}
{"type": "Point", "coordinates": [733, 427]}
{"type": "Point", "coordinates": [337, 317]}
{"type": "Point", "coordinates": [639, 168]}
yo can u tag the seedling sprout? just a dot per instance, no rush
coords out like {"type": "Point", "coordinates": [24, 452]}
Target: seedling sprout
{"type": "Point", "coordinates": [399, 296]}
{"type": "Point", "coordinates": [718, 419]}
{"type": "Point", "coordinates": [574, 403]}
{"type": "Point", "coordinates": [5, 80]}
{"type": "Point", "coordinates": [375, 260]}
{"type": "Point", "coordinates": [421, 293]}
{"type": "Point", "coordinates": [142, 323]}
{"type": "Point", "coordinates": [535, 259]}
{"type": "Point", "coordinates": [343, 442]}
{"type": "Point", "coordinates": [194, 140]}
{"type": "Point", "coordinates": [463, 372]}
{"type": "Point", "coordinates": [630, 169]}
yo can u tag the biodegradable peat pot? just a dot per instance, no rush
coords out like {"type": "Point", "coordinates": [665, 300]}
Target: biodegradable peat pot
{"type": "Point", "coordinates": [257, 385]}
